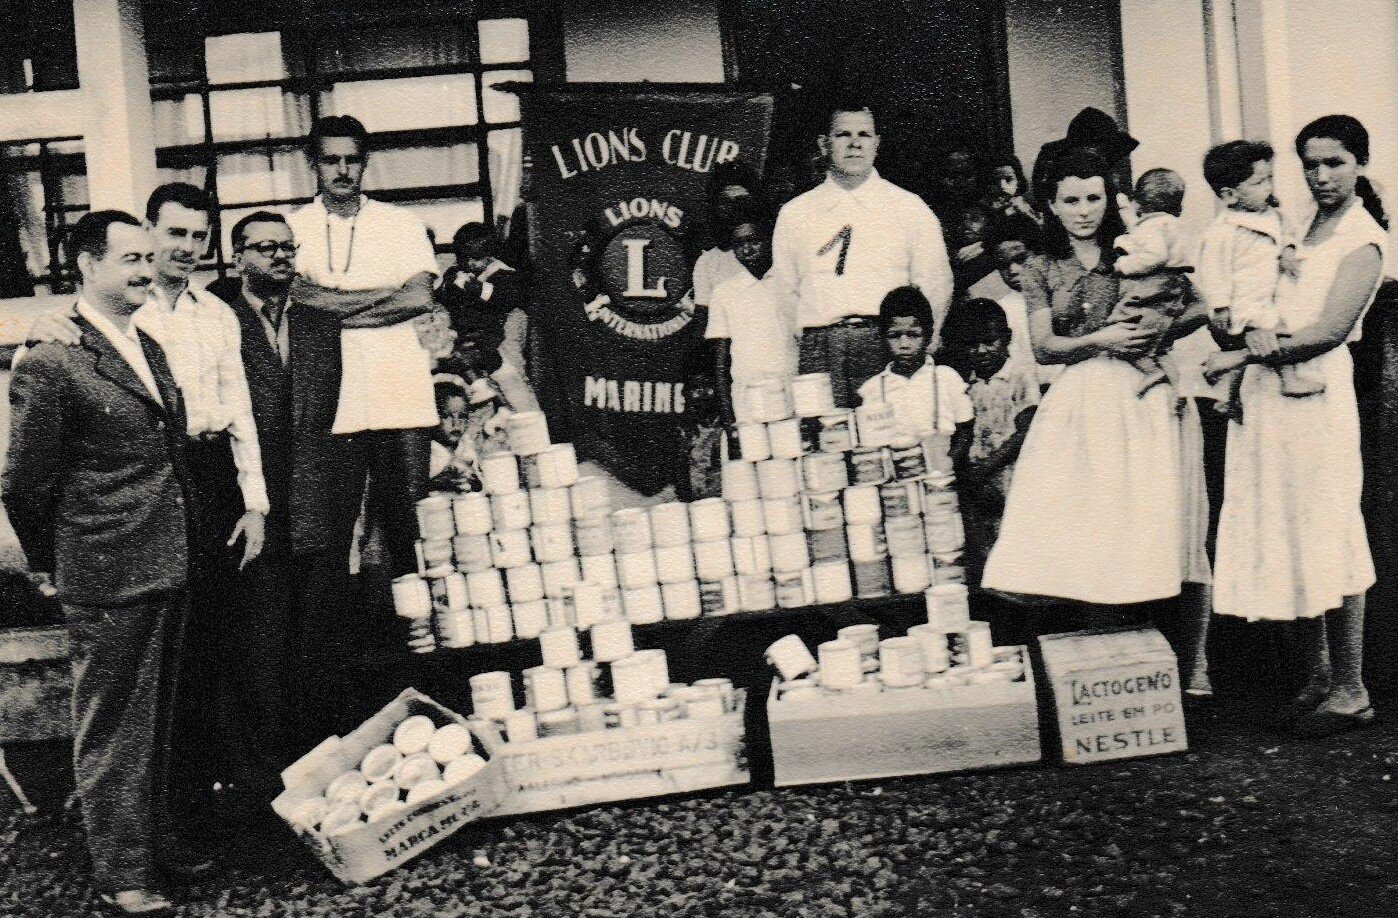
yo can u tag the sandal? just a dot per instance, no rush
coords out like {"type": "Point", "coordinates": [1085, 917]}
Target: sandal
{"type": "Point", "coordinates": [1320, 724]}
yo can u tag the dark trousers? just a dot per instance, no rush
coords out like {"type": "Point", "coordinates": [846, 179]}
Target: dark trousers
{"type": "Point", "coordinates": [395, 464]}
{"type": "Point", "coordinates": [851, 354]}
{"type": "Point", "coordinates": [123, 682]}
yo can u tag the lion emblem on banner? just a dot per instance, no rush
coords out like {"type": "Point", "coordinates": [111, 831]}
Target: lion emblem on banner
{"type": "Point", "coordinates": [634, 274]}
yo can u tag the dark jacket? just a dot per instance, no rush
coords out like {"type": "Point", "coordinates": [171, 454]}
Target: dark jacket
{"type": "Point", "coordinates": [269, 386]}
{"type": "Point", "coordinates": [95, 482]}
{"type": "Point", "coordinates": [479, 323]}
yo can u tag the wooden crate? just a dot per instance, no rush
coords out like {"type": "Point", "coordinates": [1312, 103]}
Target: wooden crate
{"type": "Point", "coordinates": [628, 763]}
{"type": "Point", "coordinates": [846, 737]}
{"type": "Point", "coordinates": [1116, 694]}
{"type": "Point", "coordinates": [378, 847]}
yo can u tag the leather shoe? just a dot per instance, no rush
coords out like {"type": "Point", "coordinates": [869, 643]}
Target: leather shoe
{"type": "Point", "coordinates": [137, 902]}
{"type": "Point", "coordinates": [1321, 724]}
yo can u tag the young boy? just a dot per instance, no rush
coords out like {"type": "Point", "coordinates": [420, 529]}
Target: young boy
{"type": "Point", "coordinates": [927, 399]}
{"type": "Point", "coordinates": [1010, 257]}
{"type": "Point", "coordinates": [461, 434]}
{"type": "Point", "coordinates": [1150, 257]}
{"type": "Point", "coordinates": [754, 331]}
{"type": "Point", "coordinates": [977, 340]}
{"type": "Point", "coordinates": [1239, 260]}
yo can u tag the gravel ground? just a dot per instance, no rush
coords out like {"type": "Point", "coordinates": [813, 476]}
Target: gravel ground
{"type": "Point", "coordinates": [1248, 824]}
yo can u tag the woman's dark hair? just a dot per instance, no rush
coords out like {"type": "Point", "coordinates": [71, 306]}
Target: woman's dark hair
{"type": "Point", "coordinates": [901, 302]}
{"type": "Point", "coordinates": [1081, 164]}
{"type": "Point", "coordinates": [1350, 132]}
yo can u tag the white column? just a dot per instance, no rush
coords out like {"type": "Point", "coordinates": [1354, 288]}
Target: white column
{"type": "Point", "coordinates": [118, 137]}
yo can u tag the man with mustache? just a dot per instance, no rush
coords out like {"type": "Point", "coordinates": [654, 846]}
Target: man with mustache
{"type": "Point", "coordinates": [97, 488]}
{"type": "Point", "coordinates": [841, 246]}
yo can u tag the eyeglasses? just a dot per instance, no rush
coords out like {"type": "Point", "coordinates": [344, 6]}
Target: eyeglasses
{"type": "Point", "coordinates": [270, 249]}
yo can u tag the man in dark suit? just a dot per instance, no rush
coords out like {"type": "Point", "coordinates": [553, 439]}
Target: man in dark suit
{"type": "Point", "coordinates": [97, 489]}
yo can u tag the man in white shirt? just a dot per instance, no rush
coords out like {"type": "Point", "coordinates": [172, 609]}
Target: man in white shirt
{"type": "Point", "coordinates": [96, 487]}
{"type": "Point", "coordinates": [840, 247]}
{"type": "Point", "coordinates": [356, 254]}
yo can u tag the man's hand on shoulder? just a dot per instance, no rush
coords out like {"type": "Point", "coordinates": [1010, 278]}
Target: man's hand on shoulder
{"type": "Point", "coordinates": [56, 326]}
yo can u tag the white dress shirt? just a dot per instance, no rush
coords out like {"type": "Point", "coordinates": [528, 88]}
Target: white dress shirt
{"type": "Point", "coordinates": [127, 344]}
{"type": "Point", "coordinates": [837, 253]}
{"type": "Point", "coordinates": [386, 374]}
{"type": "Point", "coordinates": [931, 401]}
{"type": "Point", "coordinates": [202, 341]}
{"type": "Point", "coordinates": [759, 325]}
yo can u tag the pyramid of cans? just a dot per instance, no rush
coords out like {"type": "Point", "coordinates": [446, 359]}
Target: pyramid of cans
{"type": "Point", "coordinates": [612, 685]}
{"type": "Point", "coordinates": [829, 504]}
{"type": "Point", "coordinates": [949, 650]}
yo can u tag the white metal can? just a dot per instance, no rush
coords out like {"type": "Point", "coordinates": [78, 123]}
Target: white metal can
{"type": "Point", "coordinates": [549, 506]}
{"type": "Point", "coordinates": [528, 432]}
{"type": "Point", "coordinates": [559, 647]}
{"type": "Point", "coordinates": [782, 515]}
{"type": "Point", "coordinates": [869, 465]}
{"type": "Point", "coordinates": [559, 577]}
{"type": "Point", "coordinates": [521, 727]}
{"type": "Point", "coordinates": [862, 506]}
{"type": "Point", "coordinates": [778, 478]}
{"type": "Point", "coordinates": [432, 554]}
{"type": "Point", "coordinates": [545, 688]}
{"type": "Point", "coordinates": [767, 400]}
{"type": "Point", "coordinates": [794, 589]}
{"type": "Point", "coordinates": [751, 556]}
{"type": "Point", "coordinates": [669, 524]}
{"type": "Point", "coordinates": [713, 560]}
{"type": "Point", "coordinates": [590, 498]}
{"type": "Point", "coordinates": [456, 628]}
{"type": "Point", "coordinates": [486, 588]}
{"type": "Point", "coordinates": [589, 605]}
{"type": "Point", "coordinates": [593, 536]}
{"type": "Point", "coordinates": [600, 569]}
{"type": "Point", "coordinates": [936, 657]}
{"type": "Point", "coordinates": [911, 573]}
{"type": "Point", "coordinates": [788, 552]}
{"type": "Point", "coordinates": [748, 518]}
{"type": "Point", "coordinates": [812, 395]}
{"type": "Point", "coordinates": [681, 600]}
{"type": "Point", "coordinates": [412, 598]}
{"type": "Point", "coordinates": [909, 459]}
{"type": "Point", "coordinates": [500, 623]}
{"type": "Point", "coordinates": [631, 530]}
{"type": "Point", "coordinates": [866, 543]}
{"type": "Point", "coordinates": [448, 590]}
{"type": "Point", "coordinates": [905, 538]}
{"type": "Point", "coordinates": [636, 569]}
{"type": "Point", "coordinates": [791, 657]}
{"type": "Point", "coordinates": [784, 439]}
{"type": "Point", "coordinates": [825, 471]}
{"type": "Point", "coordinates": [827, 545]}
{"type": "Point", "coordinates": [756, 592]}
{"type": "Point", "coordinates": [530, 618]}
{"type": "Point", "coordinates": [480, 623]}
{"type": "Point", "coordinates": [492, 695]}
{"type": "Point", "coordinates": [876, 424]}
{"type": "Point", "coordinates": [832, 582]}
{"type": "Point", "coordinates": [948, 606]}
{"type": "Point", "coordinates": [559, 610]}
{"type": "Point", "coordinates": [840, 665]}
{"type": "Point", "coordinates": [500, 473]}
{"type": "Point", "coordinates": [739, 480]}
{"type": "Point", "coordinates": [509, 548]}
{"type": "Point", "coordinates": [434, 519]}
{"type": "Point", "coordinates": [837, 431]}
{"type": "Point", "coordinates": [900, 662]}
{"type": "Point", "coordinates": [510, 511]}
{"type": "Point", "coordinates": [643, 605]}
{"type": "Point", "coordinates": [525, 583]}
{"type": "Point", "coordinates": [631, 681]}
{"type": "Point", "coordinates": [898, 499]}
{"type": "Point", "coordinates": [708, 519]}
{"type": "Point", "coordinates": [471, 552]}
{"type": "Point", "coordinates": [753, 445]}
{"type": "Point", "coordinates": [471, 513]}
{"type": "Point", "coordinates": [945, 533]}
{"type": "Point", "coordinates": [611, 640]}
{"type": "Point", "coordinates": [674, 563]}
{"type": "Point", "coordinates": [582, 683]}
{"type": "Point", "coordinates": [552, 543]}
{"type": "Point", "coordinates": [719, 597]}
{"type": "Point", "coordinates": [872, 579]}
{"type": "Point", "coordinates": [822, 511]}
{"type": "Point", "coordinates": [556, 466]}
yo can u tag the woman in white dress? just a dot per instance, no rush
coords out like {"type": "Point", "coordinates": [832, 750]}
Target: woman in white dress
{"type": "Point", "coordinates": [1107, 506]}
{"type": "Point", "coordinates": [1291, 540]}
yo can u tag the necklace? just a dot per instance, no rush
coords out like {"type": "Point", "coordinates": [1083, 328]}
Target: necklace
{"type": "Point", "coordinates": [349, 253]}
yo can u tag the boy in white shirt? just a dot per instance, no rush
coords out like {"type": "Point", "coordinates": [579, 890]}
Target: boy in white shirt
{"type": "Point", "coordinates": [1239, 262]}
{"type": "Point", "coordinates": [753, 328]}
{"type": "Point", "coordinates": [927, 399]}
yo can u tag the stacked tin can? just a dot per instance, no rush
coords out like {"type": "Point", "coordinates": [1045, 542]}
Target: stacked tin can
{"type": "Point", "coordinates": [949, 650]}
{"type": "Point", "coordinates": [505, 563]}
{"type": "Point", "coordinates": [590, 681]}
{"type": "Point", "coordinates": [830, 504]}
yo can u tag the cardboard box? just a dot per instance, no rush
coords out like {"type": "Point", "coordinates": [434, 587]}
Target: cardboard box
{"type": "Point", "coordinates": [625, 763]}
{"type": "Point", "coordinates": [1116, 693]}
{"type": "Point", "coordinates": [854, 737]}
{"type": "Point", "coordinates": [377, 847]}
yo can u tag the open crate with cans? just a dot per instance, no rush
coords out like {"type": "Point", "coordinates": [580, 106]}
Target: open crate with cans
{"type": "Point", "coordinates": [601, 721]}
{"type": "Point", "coordinates": [407, 778]}
{"type": "Point", "coordinates": [940, 698]}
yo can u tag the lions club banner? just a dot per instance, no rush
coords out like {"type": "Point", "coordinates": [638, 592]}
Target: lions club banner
{"type": "Point", "coordinates": [617, 186]}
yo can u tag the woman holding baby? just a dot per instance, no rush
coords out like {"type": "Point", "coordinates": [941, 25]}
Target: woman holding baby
{"type": "Point", "coordinates": [1107, 507]}
{"type": "Point", "coordinates": [1291, 540]}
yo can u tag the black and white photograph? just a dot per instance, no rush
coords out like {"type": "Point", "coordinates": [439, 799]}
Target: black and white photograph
{"type": "Point", "coordinates": [713, 459]}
